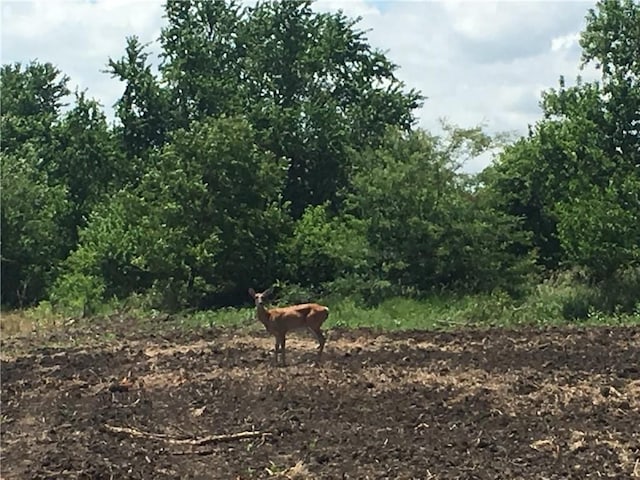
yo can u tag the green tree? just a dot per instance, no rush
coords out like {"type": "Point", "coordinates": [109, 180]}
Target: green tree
{"type": "Point", "coordinates": [33, 239]}
{"type": "Point", "coordinates": [34, 205]}
{"type": "Point", "coordinates": [428, 226]}
{"type": "Point", "coordinates": [600, 230]}
{"type": "Point", "coordinates": [202, 52]}
{"type": "Point", "coordinates": [308, 82]}
{"type": "Point", "coordinates": [324, 248]}
{"type": "Point", "coordinates": [558, 160]}
{"type": "Point", "coordinates": [317, 89]}
{"type": "Point", "coordinates": [611, 40]}
{"type": "Point", "coordinates": [32, 96]}
{"type": "Point", "coordinates": [581, 160]}
{"type": "Point", "coordinates": [203, 224]}
{"type": "Point", "coordinates": [87, 160]}
{"type": "Point", "coordinates": [144, 109]}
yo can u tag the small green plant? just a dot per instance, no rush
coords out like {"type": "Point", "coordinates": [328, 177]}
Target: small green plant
{"type": "Point", "coordinates": [5, 420]}
{"type": "Point", "coordinates": [78, 294]}
{"type": "Point", "coordinates": [274, 469]}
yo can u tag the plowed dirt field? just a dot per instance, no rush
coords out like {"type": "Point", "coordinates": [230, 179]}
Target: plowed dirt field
{"type": "Point", "coordinates": [560, 403]}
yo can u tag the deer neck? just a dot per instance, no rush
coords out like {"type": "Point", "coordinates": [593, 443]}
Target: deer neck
{"type": "Point", "coordinates": [263, 315]}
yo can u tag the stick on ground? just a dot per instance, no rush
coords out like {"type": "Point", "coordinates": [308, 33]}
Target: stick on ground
{"type": "Point", "coordinates": [186, 441]}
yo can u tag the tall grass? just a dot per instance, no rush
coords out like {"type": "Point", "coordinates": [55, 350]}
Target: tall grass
{"type": "Point", "coordinates": [559, 300]}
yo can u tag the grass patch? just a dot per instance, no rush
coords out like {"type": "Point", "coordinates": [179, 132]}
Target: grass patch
{"type": "Point", "coordinates": [27, 321]}
{"type": "Point", "coordinates": [546, 305]}
{"type": "Point", "coordinates": [554, 302]}
{"type": "Point", "coordinates": [227, 317]}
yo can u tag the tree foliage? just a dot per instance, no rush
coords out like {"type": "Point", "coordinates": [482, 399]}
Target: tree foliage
{"type": "Point", "coordinates": [308, 82]}
{"type": "Point", "coordinates": [144, 108]}
{"type": "Point", "coordinates": [33, 239]}
{"type": "Point", "coordinates": [203, 222]}
{"type": "Point", "coordinates": [428, 227]}
{"type": "Point", "coordinates": [273, 143]}
{"type": "Point", "coordinates": [87, 160]}
{"type": "Point", "coordinates": [575, 179]}
{"type": "Point", "coordinates": [32, 96]}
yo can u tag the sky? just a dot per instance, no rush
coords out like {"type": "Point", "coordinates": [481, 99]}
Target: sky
{"type": "Point", "coordinates": [477, 62]}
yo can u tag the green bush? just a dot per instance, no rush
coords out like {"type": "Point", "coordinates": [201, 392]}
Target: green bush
{"type": "Point", "coordinates": [621, 291]}
{"type": "Point", "coordinates": [77, 294]}
{"type": "Point", "coordinates": [427, 225]}
{"type": "Point", "coordinates": [206, 221]}
{"type": "Point", "coordinates": [324, 248]}
{"type": "Point", "coordinates": [34, 240]}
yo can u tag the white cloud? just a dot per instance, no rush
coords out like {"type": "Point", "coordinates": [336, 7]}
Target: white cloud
{"type": "Point", "coordinates": [476, 61]}
{"type": "Point", "coordinates": [78, 37]}
{"type": "Point", "coordinates": [480, 61]}
{"type": "Point", "coordinates": [565, 42]}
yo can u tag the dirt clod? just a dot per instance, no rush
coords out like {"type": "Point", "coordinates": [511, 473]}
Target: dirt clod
{"type": "Point", "coordinates": [559, 403]}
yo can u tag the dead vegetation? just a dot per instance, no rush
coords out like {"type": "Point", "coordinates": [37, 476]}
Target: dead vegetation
{"type": "Point", "coordinates": [555, 403]}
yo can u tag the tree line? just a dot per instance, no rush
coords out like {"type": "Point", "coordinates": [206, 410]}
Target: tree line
{"type": "Point", "coordinates": [275, 145]}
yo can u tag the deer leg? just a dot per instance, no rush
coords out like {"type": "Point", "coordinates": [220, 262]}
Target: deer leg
{"type": "Point", "coordinates": [276, 350]}
{"type": "Point", "coordinates": [280, 341]}
{"type": "Point", "coordinates": [321, 341]}
{"type": "Point", "coordinates": [320, 338]}
{"type": "Point", "coordinates": [282, 344]}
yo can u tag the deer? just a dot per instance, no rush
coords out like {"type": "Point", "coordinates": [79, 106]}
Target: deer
{"type": "Point", "coordinates": [279, 321]}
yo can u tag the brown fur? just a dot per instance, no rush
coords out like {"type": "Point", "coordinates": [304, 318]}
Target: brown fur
{"type": "Point", "coordinates": [279, 321]}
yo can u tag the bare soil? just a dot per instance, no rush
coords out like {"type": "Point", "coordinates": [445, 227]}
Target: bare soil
{"type": "Point", "coordinates": [559, 403]}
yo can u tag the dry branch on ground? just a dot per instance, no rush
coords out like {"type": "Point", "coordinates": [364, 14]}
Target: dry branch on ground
{"type": "Point", "coordinates": [196, 442]}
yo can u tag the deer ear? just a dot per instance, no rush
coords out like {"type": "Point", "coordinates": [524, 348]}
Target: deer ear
{"type": "Point", "coordinates": [252, 292]}
{"type": "Point", "coordinates": [268, 292]}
